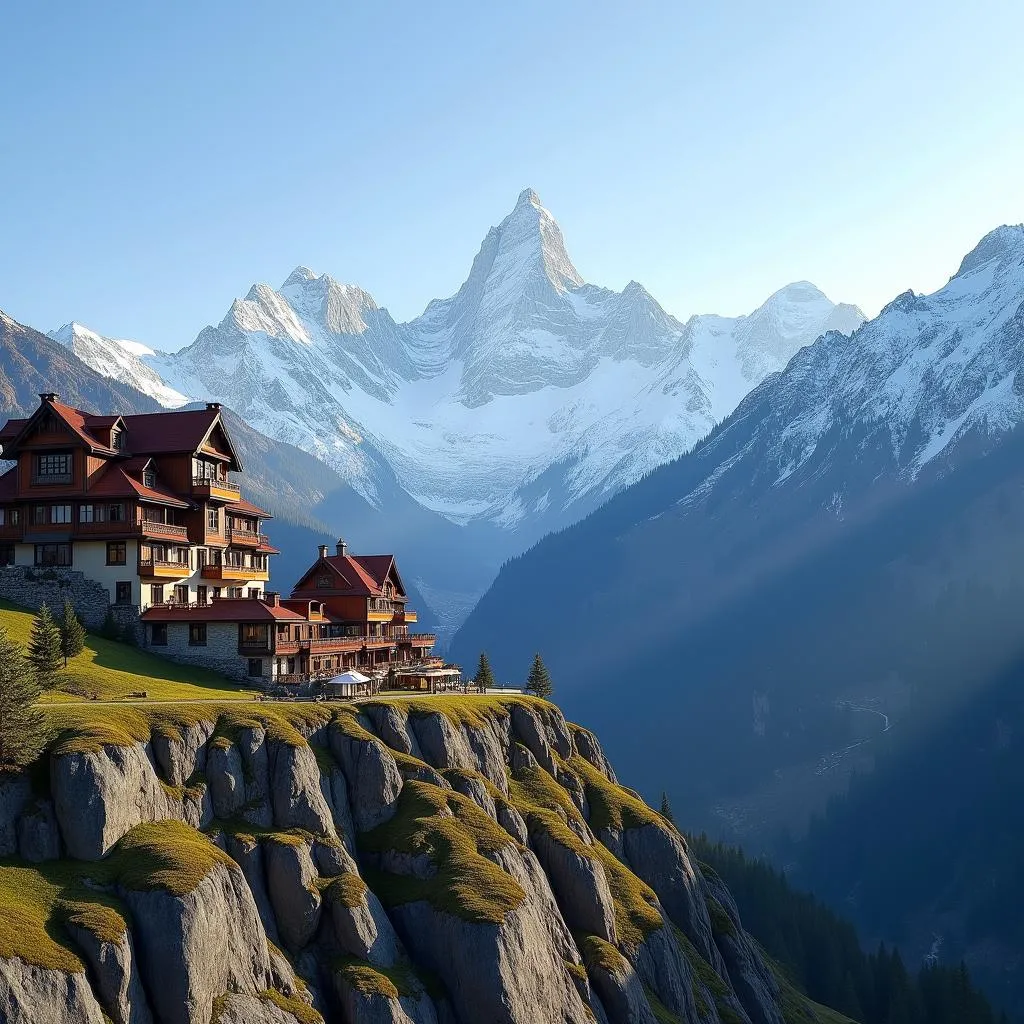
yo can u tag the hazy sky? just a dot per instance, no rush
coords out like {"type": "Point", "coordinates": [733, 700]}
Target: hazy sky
{"type": "Point", "coordinates": [156, 159]}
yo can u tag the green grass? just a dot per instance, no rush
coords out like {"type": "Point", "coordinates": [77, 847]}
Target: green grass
{"type": "Point", "coordinates": [39, 900]}
{"type": "Point", "coordinates": [546, 805]}
{"type": "Point", "coordinates": [107, 670]}
{"type": "Point", "coordinates": [601, 955]}
{"type": "Point", "coordinates": [612, 806]}
{"type": "Point", "coordinates": [390, 982]}
{"type": "Point", "coordinates": [721, 922]}
{"type": "Point", "coordinates": [348, 889]}
{"type": "Point", "coordinates": [301, 1011]}
{"type": "Point", "coordinates": [453, 833]}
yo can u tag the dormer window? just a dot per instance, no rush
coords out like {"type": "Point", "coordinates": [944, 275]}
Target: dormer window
{"type": "Point", "coordinates": [149, 478]}
{"type": "Point", "coordinates": [116, 439]}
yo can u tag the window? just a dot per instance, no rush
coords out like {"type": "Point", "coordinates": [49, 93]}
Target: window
{"type": "Point", "coordinates": [255, 667]}
{"type": "Point", "coordinates": [213, 519]}
{"type": "Point", "coordinates": [197, 634]}
{"type": "Point", "coordinates": [6, 554]}
{"type": "Point", "coordinates": [158, 593]}
{"type": "Point", "coordinates": [181, 594]}
{"type": "Point", "coordinates": [254, 634]}
{"type": "Point", "coordinates": [323, 582]}
{"type": "Point", "coordinates": [116, 439]}
{"type": "Point", "coordinates": [14, 516]}
{"type": "Point", "coordinates": [201, 556]}
{"type": "Point", "coordinates": [159, 634]}
{"type": "Point", "coordinates": [38, 515]}
{"type": "Point", "coordinates": [115, 513]}
{"type": "Point", "coordinates": [201, 595]}
{"type": "Point", "coordinates": [234, 591]}
{"type": "Point", "coordinates": [117, 553]}
{"type": "Point", "coordinates": [123, 592]}
{"type": "Point", "coordinates": [60, 513]}
{"type": "Point", "coordinates": [53, 469]}
{"type": "Point", "coordinates": [149, 478]}
{"type": "Point", "coordinates": [254, 592]}
{"type": "Point", "coordinates": [53, 554]}
{"type": "Point", "coordinates": [216, 591]}
{"type": "Point", "coordinates": [87, 514]}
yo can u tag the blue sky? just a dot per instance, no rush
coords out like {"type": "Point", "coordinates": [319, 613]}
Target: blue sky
{"type": "Point", "coordinates": [156, 159]}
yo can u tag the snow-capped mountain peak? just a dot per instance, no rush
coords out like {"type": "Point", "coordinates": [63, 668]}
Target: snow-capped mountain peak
{"type": "Point", "coordinates": [522, 400]}
{"type": "Point", "coordinates": [1003, 243]}
{"type": "Point", "coordinates": [118, 359]}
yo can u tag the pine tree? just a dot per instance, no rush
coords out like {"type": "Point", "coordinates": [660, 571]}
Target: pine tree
{"type": "Point", "coordinates": [72, 633]}
{"type": "Point", "coordinates": [538, 682]}
{"type": "Point", "coordinates": [45, 650]}
{"type": "Point", "coordinates": [22, 725]}
{"type": "Point", "coordinates": [484, 676]}
{"type": "Point", "coordinates": [666, 808]}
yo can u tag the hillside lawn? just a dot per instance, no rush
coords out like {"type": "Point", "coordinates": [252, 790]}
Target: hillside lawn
{"type": "Point", "coordinates": [107, 670]}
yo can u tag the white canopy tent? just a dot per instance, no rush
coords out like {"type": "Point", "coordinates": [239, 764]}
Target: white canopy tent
{"type": "Point", "coordinates": [348, 684]}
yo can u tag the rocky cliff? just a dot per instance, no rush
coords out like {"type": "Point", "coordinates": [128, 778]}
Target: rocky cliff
{"type": "Point", "coordinates": [426, 861]}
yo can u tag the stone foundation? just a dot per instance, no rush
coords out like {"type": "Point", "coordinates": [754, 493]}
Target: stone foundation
{"type": "Point", "coordinates": [31, 587]}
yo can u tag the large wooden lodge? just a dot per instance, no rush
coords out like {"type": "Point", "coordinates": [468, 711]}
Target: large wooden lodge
{"type": "Point", "coordinates": [149, 508]}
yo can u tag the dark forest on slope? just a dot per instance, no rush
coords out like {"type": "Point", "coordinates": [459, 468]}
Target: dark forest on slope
{"type": "Point", "coordinates": [821, 953]}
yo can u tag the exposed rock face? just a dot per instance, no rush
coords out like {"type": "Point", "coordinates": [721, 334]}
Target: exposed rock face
{"type": "Point", "coordinates": [31, 995]}
{"type": "Point", "coordinates": [432, 868]}
{"type": "Point", "coordinates": [114, 968]}
{"type": "Point", "coordinates": [195, 947]}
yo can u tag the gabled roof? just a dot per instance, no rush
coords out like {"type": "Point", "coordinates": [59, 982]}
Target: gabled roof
{"type": "Point", "coordinates": [353, 575]}
{"type": "Point", "coordinates": [247, 508]}
{"type": "Point", "coordinates": [76, 421]}
{"type": "Point", "coordinates": [178, 432]}
{"type": "Point", "coordinates": [115, 482]}
{"type": "Point", "coordinates": [248, 609]}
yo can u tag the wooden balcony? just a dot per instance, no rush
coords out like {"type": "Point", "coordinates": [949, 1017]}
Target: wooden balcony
{"type": "Point", "coordinates": [168, 530]}
{"type": "Point", "coordinates": [247, 538]}
{"type": "Point", "coordinates": [217, 490]}
{"type": "Point", "coordinates": [234, 573]}
{"type": "Point", "coordinates": [158, 569]}
{"type": "Point", "coordinates": [405, 616]}
{"type": "Point", "coordinates": [419, 639]}
{"type": "Point", "coordinates": [9, 532]}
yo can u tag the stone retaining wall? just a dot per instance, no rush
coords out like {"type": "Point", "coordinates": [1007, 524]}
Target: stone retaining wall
{"type": "Point", "coordinates": [31, 587]}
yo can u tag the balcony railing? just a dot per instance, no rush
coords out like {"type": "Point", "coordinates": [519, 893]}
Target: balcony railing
{"type": "Point", "coordinates": [249, 538]}
{"type": "Point", "coordinates": [164, 568]}
{"type": "Point", "coordinates": [156, 529]}
{"type": "Point", "coordinates": [215, 487]}
{"type": "Point", "coordinates": [48, 479]}
{"type": "Point", "coordinates": [235, 572]}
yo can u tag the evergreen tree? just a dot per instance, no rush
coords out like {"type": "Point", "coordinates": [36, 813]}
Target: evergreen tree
{"type": "Point", "coordinates": [666, 808]}
{"type": "Point", "coordinates": [72, 633]}
{"type": "Point", "coordinates": [484, 676]}
{"type": "Point", "coordinates": [22, 725]}
{"type": "Point", "coordinates": [538, 682]}
{"type": "Point", "coordinates": [45, 648]}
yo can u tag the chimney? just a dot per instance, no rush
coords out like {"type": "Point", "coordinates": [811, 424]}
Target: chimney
{"type": "Point", "coordinates": [323, 550]}
{"type": "Point", "coordinates": [213, 405]}
{"type": "Point", "coordinates": [48, 396]}
{"type": "Point", "coordinates": [342, 547]}
{"type": "Point", "coordinates": [273, 598]}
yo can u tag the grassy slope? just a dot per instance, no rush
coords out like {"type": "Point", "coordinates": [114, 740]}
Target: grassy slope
{"type": "Point", "coordinates": [107, 670]}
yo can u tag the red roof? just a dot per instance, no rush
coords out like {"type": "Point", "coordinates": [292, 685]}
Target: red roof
{"type": "Point", "coordinates": [248, 508]}
{"type": "Point", "coordinates": [116, 483]}
{"type": "Point", "coordinates": [355, 575]}
{"type": "Point", "coordinates": [153, 433]}
{"type": "Point", "coordinates": [241, 609]}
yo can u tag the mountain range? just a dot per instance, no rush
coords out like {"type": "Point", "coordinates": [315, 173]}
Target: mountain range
{"type": "Point", "coordinates": [512, 408]}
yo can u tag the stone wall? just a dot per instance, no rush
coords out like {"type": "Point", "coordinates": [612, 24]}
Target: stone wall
{"type": "Point", "coordinates": [220, 652]}
{"type": "Point", "coordinates": [32, 587]}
